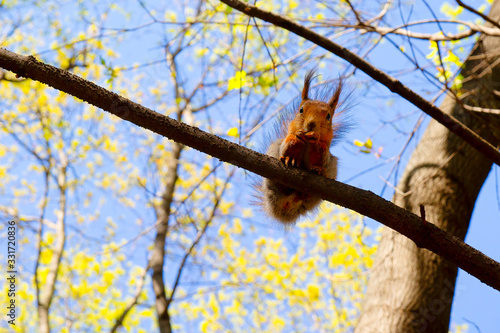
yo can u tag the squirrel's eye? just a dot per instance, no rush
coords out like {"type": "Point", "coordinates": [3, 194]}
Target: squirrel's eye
{"type": "Point", "coordinates": [301, 110]}
{"type": "Point", "coordinates": [328, 116]}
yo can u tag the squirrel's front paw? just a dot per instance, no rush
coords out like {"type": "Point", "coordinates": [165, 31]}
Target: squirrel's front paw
{"type": "Point", "coordinates": [292, 151]}
{"type": "Point", "coordinates": [291, 160]}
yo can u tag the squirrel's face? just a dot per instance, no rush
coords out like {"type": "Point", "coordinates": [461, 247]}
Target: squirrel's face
{"type": "Point", "coordinates": [315, 116]}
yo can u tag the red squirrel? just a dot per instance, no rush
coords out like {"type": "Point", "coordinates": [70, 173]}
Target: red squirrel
{"type": "Point", "coordinates": [305, 145]}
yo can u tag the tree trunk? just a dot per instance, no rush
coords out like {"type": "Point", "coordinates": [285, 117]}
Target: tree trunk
{"type": "Point", "coordinates": [411, 289]}
{"type": "Point", "coordinates": [158, 256]}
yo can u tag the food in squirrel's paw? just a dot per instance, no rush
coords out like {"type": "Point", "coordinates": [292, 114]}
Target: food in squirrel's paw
{"type": "Point", "coordinates": [305, 144]}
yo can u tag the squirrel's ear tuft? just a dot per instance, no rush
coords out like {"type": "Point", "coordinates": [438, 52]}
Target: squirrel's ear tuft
{"type": "Point", "coordinates": [307, 84]}
{"type": "Point", "coordinates": [335, 98]}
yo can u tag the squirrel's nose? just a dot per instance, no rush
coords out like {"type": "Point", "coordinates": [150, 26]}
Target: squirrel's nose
{"type": "Point", "coordinates": [311, 126]}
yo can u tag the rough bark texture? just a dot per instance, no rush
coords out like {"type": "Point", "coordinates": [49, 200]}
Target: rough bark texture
{"type": "Point", "coordinates": [411, 289]}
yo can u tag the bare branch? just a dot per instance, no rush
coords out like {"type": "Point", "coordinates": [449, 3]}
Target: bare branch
{"type": "Point", "coordinates": [132, 302]}
{"type": "Point", "coordinates": [437, 36]}
{"type": "Point", "coordinates": [39, 234]}
{"type": "Point", "coordinates": [46, 293]}
{"type": "Point", "coordinates": [426, 236]}
{"type": "Point", "coordinates": [382, 13]}
{"type": "Point", "coordinates": [25, 218]}
{"type": "Point", "coordinates": [402, 30]}
{"type": "Point", "coordinates": [358, 18]}
{"type": "Point", "coordinates": [472, 10]}
{"type": "Point", "coordinates": [480, 109]}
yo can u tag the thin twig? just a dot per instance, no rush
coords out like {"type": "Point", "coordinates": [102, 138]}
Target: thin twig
{"type": "Point", "coordinates": [484, 17]}
{"type": "Point", "coordinates": [132, 302]}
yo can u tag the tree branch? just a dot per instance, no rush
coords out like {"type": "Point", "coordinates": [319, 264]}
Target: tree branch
{"type": "Point", "coordinates": [39, 234]}
{"type": "Point", "coordinates": [437, 36]}
{"type": "Point", "coordinates": [46, 293]}
{"type": "Point", "coordinates": [132, 302]}
{"type": "Point", "coordinates": [394, 85]}
{"type": "Point", "coordinates": [158, 252]}
{"type": "Point", "coordinates": [426, 235]}
{"type": "Point", "coordinates": [472, 10]}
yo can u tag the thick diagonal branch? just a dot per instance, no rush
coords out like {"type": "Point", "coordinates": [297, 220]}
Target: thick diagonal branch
{"type": "Point", "coordinates": [425, 235]}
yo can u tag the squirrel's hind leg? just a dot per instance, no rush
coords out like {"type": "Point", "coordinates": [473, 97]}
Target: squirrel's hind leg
{"type": "Point", "coordinates": [286, 204]}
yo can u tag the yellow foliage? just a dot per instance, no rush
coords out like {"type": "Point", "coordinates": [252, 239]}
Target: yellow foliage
{"type": "Point", "coordinates": [3, 171]}
{"type": "Point", "coordinates": [313, 292]}
{"type": "Point", "coordinates": [278, 323]}
{"type": "Point", "coordinates": [233, 132]}
{"type": "Point", "coordinates": [452, 12]}
{"type": "Point", "coordinates": [108, 278]}
{"type": "Point", "coordinates": [238, 80]}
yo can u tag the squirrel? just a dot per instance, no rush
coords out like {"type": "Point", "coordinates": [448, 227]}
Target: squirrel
{"type": "Point", "coordinates": [304, 143]}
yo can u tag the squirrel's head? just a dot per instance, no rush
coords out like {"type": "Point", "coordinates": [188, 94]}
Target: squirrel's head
{"type": "Point", "coordinates": [316, 115]}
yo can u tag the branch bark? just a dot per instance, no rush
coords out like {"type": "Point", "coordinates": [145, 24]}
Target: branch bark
{"type": "Point", "coordinates": [425, 235]}
{"type": "Point", "coordinates": [394, 85]}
